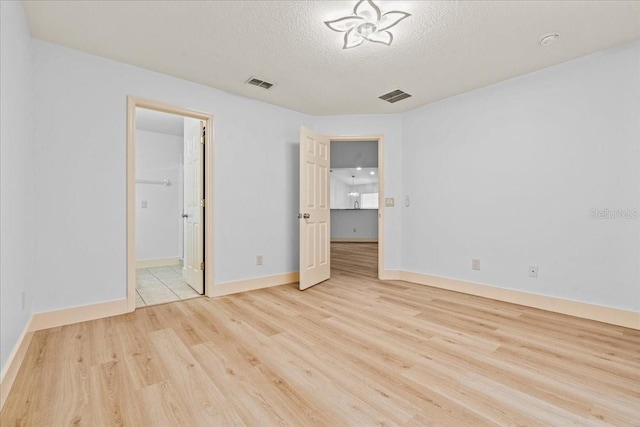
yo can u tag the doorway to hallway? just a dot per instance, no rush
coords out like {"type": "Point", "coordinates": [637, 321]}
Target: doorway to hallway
{"type": "Point", "coordinates": [317, 196]}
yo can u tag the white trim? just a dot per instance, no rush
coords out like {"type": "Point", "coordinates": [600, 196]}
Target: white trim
{"type": "Point", "coordinates": [160, 262]}
{"type": "Point", "coordinates": [390, 275]}
{"type": "Point", "coordinates": [132, 104]}
{"type": "Point", "coordinates": [12, 366]}
{"type": "Point", "coordinates": [253, 284]}
{"type": "Point", "coordinates": [614, 316]}
{"type": "Point", "coordinates": [83, 313]}
{"type": "Point", "coordinates": [354, 239]}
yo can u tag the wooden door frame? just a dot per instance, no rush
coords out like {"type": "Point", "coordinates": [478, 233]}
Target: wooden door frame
{"type": "Point", "coordinates": [132, 104]}
{"type": "Point", "coordinates": [380, 140]}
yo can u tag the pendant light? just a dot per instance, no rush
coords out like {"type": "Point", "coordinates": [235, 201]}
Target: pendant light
{"type": "Point", "coordinates": [353, 192]}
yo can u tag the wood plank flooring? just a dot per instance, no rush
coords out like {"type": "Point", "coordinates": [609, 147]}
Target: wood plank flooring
{"type": "Point", "coordinates": [350, 351]}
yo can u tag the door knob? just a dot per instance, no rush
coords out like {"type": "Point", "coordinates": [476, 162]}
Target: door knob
{"type": "Point", "coordinates": [306, 216]}
{"type": "Point", "coordinates": [185, 215]}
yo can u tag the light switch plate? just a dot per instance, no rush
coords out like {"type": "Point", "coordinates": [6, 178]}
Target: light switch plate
{"type": "Point", "coordinates": [389, 202]}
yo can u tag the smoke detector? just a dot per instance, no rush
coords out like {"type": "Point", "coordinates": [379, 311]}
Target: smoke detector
{"type": "Point", "coordinates": [549, 39]}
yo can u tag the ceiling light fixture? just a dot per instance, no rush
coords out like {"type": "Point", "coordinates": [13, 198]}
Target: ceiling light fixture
{"type": "Point", "coordinates": [367, 23]}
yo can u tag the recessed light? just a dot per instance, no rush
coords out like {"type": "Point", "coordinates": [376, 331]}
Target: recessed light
{"type": "Point", "coordinates": [549, 39]}
{"type": "Point", "coordinates": [358, 168]}
{"type": "Point", "coordinates": [372, 173]}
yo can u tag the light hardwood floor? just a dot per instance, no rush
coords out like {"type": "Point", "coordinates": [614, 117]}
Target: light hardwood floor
{"type": "Point", "coordinates": [350, 351]}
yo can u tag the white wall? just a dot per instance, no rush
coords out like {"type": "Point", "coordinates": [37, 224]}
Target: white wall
{"type": "Point", "coordinates": [80, 167]}
{"type": "Point", "coordinates": [505, 174]}
{"type": "Point", "coordinates": [159, 225]}
{"type": "Point", "coordinates": [354, 223]}
{"type": "Point", "coordinates": [509, 173]}
{"type": "Point", "coordinates": [389, 125]}
{"type": "Point", "coordinates": [17, 198]}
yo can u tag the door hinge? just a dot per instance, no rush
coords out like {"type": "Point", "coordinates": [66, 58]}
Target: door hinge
{"type": "Point", "coordinates": [204, 135]}
{"type": "Point", "coordinates": [202, 203]}
{"type": "Point", "coordinates": [202, 266]}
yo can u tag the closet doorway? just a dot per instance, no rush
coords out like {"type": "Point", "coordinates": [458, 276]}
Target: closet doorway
{"type": "Point", "coordinates": [169, 233]}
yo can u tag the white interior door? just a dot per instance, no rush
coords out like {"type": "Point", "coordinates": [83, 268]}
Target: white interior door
{"type": "Point", "coordinates": [315, 262]}
{"type": "Point", "coordinates": [193, 270]}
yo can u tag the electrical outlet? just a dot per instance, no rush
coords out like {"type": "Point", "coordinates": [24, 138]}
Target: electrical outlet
{"type": "Point", "coordinates": [389, 202]}
{"type": "Point", "coordinates": [475, 264]}
{"type": "Point", "coordinates": [259, 260]}
{"type": "Point", "coordinates": [144, 204]}
{"type": "Point", "coordinates": [533, 271]}
{"type": "Point", "coordinates": [354, 230]}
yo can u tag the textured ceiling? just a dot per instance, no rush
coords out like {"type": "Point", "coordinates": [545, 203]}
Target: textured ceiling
{"type": "Point", "coordinates": [444, 49]}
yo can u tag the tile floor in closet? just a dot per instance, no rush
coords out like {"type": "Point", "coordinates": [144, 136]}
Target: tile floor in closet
{"type": "Point", "coordinates": [159, 285]}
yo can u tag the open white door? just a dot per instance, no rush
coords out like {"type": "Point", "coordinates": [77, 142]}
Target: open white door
{"type": "Point", "coordinates": [194, 204]}
{"type": "Point", "coordinates": [314, 217]}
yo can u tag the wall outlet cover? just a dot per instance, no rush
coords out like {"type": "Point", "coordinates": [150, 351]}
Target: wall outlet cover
{"type": "Point", "coordinates": [389, 202]}
{"type": "Point", "coordinates": [533, 271]}
{"type": "Point", "coordinates": [475, 264]}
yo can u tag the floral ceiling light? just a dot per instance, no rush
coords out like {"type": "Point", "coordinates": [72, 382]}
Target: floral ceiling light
{"type": "Point", "coordinates": [367, 23]}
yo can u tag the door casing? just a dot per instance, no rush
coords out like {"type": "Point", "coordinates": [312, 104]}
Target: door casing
{"type": "Point", "coordinates": [132, 104]}
{"type": "Point", "coordinates": [381, 208]}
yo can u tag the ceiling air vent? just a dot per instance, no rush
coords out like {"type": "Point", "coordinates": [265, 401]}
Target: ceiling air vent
{"type": "Point", "coordinates": [395, 96]}
{"type": "Point", "coordinates": [259, 83]}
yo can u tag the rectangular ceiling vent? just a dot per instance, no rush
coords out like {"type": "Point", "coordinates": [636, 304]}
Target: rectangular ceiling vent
{"type": "Point", "coordinates": [260, 83]}
{"type": "Point", "coordinates": [395, 96]}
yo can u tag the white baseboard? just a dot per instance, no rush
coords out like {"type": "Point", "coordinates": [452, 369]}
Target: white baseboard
{"type": "Point", "coordinates": [67, 316]}
{"type": "Point", "coordinates": [354, 239]}
{"type": "Point", "coordinates": [614, 316]}
{"type": "Point", "coordinates": [160, 262]}
{"type": "Point", "coordinates": [389, 275]}
{"type": "Point", "coordinates": [229, 288]}
{"type": "Point", "coordinates": [12, 366]}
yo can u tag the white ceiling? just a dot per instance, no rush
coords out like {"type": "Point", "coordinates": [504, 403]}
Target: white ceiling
{"type": "Point", "coordinates": [445, 48]}
{"type": "Point", "coordinates": [156, 121]}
